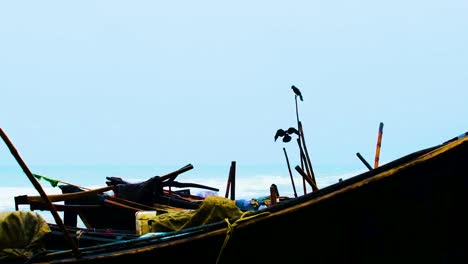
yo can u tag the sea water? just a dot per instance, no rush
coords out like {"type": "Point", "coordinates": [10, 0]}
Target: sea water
{"type": "Point", "coordinates": [251, 181]}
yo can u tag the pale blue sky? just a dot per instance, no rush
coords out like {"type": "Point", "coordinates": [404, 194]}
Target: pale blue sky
{"type": "Point", "coordinates": [177, 82]}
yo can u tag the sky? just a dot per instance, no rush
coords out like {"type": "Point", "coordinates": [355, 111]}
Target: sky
{"type": "Point", "coordinates": [209, 82]}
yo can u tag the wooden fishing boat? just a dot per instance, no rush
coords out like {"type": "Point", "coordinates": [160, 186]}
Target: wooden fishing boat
{"type": "Point", "coordinates": [409, 210]}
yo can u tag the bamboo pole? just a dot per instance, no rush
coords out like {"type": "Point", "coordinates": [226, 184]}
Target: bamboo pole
{"type": "Point", "coordinates": [306, 154]}
{"type": "Point", "coordinates": [297, 109]}
{"type": "Point", "coordinates": [274, 194]}
{"type": "Point", "coordinates": [38, 187]}
{"type": "Point", "coordinates": [379, 142]}
{"type": "Point", "coordinates": [306, 177]}
{"type": "Point", "coordinates": [228, 187]}
{"type": "Point", "coordinates": [364, 161]}
{"type": "Point", "coordinates": [299, 138]}
{"type": "Point", "coordinates": [302, 159]}
{"type": "Point", "coordinates": [228, 184]}
{"type": "Point", "coordinates": [69, 196]}
{"type": "Point", "coordinates": [232, 177]}
{"type": "Point", "coordinates": [304, 162]}
{"type": "Point", "coordinates": [290, 173]}
{"type": "Point", "coordinates": [301, 141]}
{"type": "Point", "coordinates": [73, 196]}
{"type": "Point", "coordinates": [144, 207]}
{"type": "Point", "coordinates": [172, 175]}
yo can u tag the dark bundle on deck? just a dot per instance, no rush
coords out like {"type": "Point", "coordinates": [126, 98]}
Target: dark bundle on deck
{"type": "Point", "coordinates": [103, 217]}
{"type": "Point", "coordinates": [149, 192]}
{"type": "Point", "coordinates": [118, 211]}
{"type": "Point", "coordinates": [107, 215]}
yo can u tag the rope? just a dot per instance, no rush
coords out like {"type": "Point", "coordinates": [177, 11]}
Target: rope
{"type": "Point", "coordinates": [230, 229]}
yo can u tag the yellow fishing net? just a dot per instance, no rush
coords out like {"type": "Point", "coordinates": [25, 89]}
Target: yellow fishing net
{"type": "Point", "coordinates": [21, 234]}
{"type": "Point", "coordinates": [212, 209]}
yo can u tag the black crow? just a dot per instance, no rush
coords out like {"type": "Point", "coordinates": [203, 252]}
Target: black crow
{"type": "Point", "coordinates": [297, 92]}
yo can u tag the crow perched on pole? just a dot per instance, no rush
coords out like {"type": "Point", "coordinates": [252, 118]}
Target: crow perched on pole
{"type": "Point", "coordinates": [297, 92]}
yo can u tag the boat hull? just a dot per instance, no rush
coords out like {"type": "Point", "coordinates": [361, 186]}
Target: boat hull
{"type": "Point", "coordinates": [408, 211]}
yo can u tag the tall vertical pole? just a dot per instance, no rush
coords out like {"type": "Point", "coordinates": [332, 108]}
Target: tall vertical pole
{"type": "Point", "coordinates": [301, 154]}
